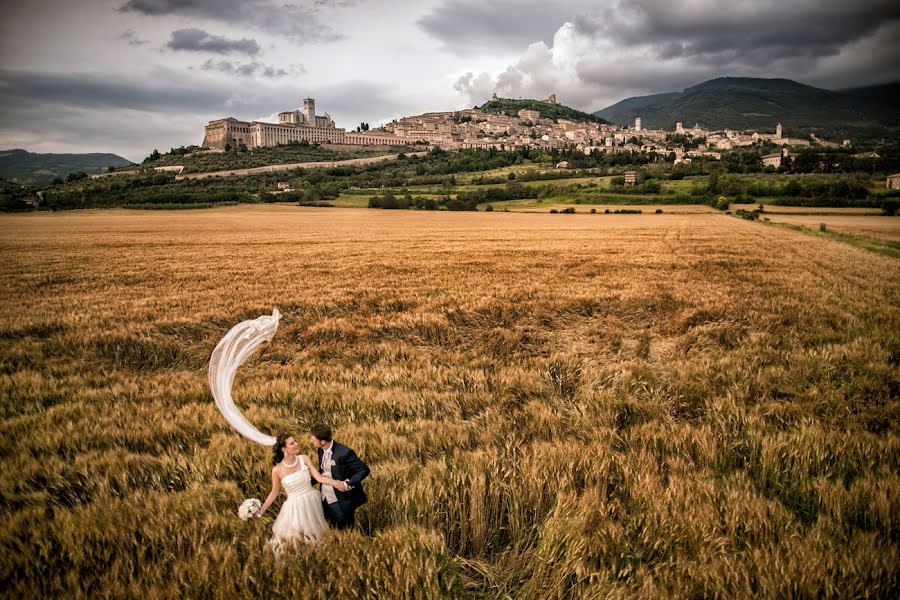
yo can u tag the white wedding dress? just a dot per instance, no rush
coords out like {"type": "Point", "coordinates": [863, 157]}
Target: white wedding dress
{"type": "Point", "coordinates": [301, 518]}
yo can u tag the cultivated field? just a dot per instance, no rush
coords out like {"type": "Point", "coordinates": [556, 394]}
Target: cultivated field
{"type": "Point", "coordinates": [776, 209]}
{"type": "Point", "coordinates": [535, 206]}
{"type": "Point", "coordinates": [882, 227]}
{"type": "Point", "coordinates": [552, 406]}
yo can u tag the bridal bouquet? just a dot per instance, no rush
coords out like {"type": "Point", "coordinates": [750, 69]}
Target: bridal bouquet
{"type": "Point", "coordinates": [249, 508]}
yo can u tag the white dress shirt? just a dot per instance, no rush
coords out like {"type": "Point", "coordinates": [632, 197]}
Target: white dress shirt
{"type": "Point", "coordinates": [327, 491]}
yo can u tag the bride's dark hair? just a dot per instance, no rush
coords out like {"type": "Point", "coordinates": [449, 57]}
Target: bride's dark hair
{"type": "Point", "coordinates": [278, 448]}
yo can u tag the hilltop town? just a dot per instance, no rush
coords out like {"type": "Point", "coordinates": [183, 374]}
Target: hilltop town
{"type": "Point", "coordinates": [495, 125]}
{"type": "Point", "coordinates": [306, 157]}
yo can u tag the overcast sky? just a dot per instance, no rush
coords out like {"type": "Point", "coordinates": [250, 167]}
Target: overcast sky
{"type": "Point", "coordinates": [128, 76]}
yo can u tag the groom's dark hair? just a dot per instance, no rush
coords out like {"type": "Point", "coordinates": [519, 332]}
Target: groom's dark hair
{"type": "Point", "coordinates": [321, 431]}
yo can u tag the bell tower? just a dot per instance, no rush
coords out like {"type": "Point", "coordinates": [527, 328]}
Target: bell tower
{"type": "Point", "coordinates": [309, 111]}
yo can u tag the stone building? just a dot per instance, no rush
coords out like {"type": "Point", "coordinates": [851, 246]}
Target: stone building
{"type": "Point", "coordinates": [775, 160]}
{"type": "Point", "coordinates": [893, 181]}
{"type": "Point", "coordinates": [292, 126]}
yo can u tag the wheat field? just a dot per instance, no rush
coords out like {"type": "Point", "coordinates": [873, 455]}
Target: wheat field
{"type": "Point", "coordinates": [578, 406]}
{"type": "Point", "coordinates": [881, 227]}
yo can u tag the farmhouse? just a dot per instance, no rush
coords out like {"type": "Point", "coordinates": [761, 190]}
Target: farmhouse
{"type": "Point", "coordinates": [893, 181]}
{"type": "Point", "coordinates": [774, 160]}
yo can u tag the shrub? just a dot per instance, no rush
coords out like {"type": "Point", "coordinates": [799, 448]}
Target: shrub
{"type": "Point", "coordinates": [750, 215]}
{"type": "Point", "coordinates": [76, 176]}
{"type": "Point", "coordinates": [889, 206]}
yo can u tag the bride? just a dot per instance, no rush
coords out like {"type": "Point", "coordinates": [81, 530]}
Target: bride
{"type": "Point", "coordinates": [301, 517]}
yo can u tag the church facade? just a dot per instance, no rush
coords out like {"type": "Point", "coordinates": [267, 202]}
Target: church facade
{"type": "Point", "coordinates": [292, 126]}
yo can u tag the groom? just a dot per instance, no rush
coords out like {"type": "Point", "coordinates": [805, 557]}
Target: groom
{"type": "Point", "coordinates": [339, 462]}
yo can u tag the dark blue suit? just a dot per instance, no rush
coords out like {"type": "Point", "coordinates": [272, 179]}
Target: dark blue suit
{"type": "Point", "coordinates": [347, 467]}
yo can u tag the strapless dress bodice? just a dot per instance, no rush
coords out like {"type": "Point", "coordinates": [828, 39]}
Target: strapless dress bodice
{"type": "Point", "coordinates": [297, 483]}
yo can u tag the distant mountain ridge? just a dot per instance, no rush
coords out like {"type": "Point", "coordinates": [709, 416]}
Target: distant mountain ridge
{"type": "Point", "coordinates": [22, 166]}
{"type": "Point", "coordinates": [759, 104]}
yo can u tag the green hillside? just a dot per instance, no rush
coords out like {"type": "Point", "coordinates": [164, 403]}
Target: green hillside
{"type": "Point", "coordinates": [511, 108]}
{"type": "Point", "coordinates": [27, 167]}
{"type": "Point", "coordinates": [759, 104]}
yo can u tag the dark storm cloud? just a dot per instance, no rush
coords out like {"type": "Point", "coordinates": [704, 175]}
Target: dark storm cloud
{"type": "Point", "coordinates": [301, 24]}
{"type": "Point", "coordinates": [87, 112]}
{"type": "Point", "coordinates": [93, 91]}
{"type": "Point", "coordinates": [752, 33]}
{"type": "Point", "coordinates": [747, 33]}
{"type": "Point", "coordinates": [608, 52]}
{"type": "Point", "coordinates": [198, 40]}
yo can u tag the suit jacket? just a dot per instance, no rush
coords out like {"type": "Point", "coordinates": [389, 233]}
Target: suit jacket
{"type": "Point", "coordinates": [347, 467]}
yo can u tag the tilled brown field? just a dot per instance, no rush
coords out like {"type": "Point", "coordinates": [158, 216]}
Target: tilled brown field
{"type": "Point", "coordinates": [553, 406]}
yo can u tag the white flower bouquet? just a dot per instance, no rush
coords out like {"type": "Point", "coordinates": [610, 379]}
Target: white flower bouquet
{"type": "Point", "coordinates": [249, 508]}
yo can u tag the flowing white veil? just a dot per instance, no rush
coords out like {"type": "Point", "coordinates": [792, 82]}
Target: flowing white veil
{"type": "Point", "coordinates": [232, 350]}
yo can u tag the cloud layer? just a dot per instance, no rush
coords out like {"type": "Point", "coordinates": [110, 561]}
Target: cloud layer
{"type": "Point", "coordinates": [178, 63]}
{"type": "Point", "coordinates": [198, 40]}
{"type": "Point", "coordinates": [300, 23]}
{"type": "Point", "coordinates": [252, 68]}
{"type": "Point", "coordinates": [638, 47]}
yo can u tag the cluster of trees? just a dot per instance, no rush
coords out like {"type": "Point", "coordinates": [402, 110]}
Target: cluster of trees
{"type": "Point", "coordinates": [438, 168]}
{"type": "Point", "coordinates": [308, 196]}
{"type": "Point", "coordinates": [814, 160]}
{"type": "Point", "coordinates": [148, 189]}
{"type": "Point", "coordinates": [648, 186]}
{"type": "Point", "coordinates": [685, 140]}
{"type": "Point", "coordinates": [811, 160]}
{"type": "Point", "coordinates": [743, 161]}
{"type": "Point", "coordinates": [407, 202]}
{"type": "Point", "coordinates": [511, 191]}
{"type": "Point", "coordinates": [532, 175]}
{"type": "Point", "coordinates": [851, 190]}
{"type": "Point", "coordinates": [512, 107]}
{"type": "Point", "coordinates": [14, 196]}
{"type": "Point", "coordinates": [291, 152]}
{"type": "Point", "coordinates": [312, 185]}
{"type": "Point", "coordinates": [173, 152]}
